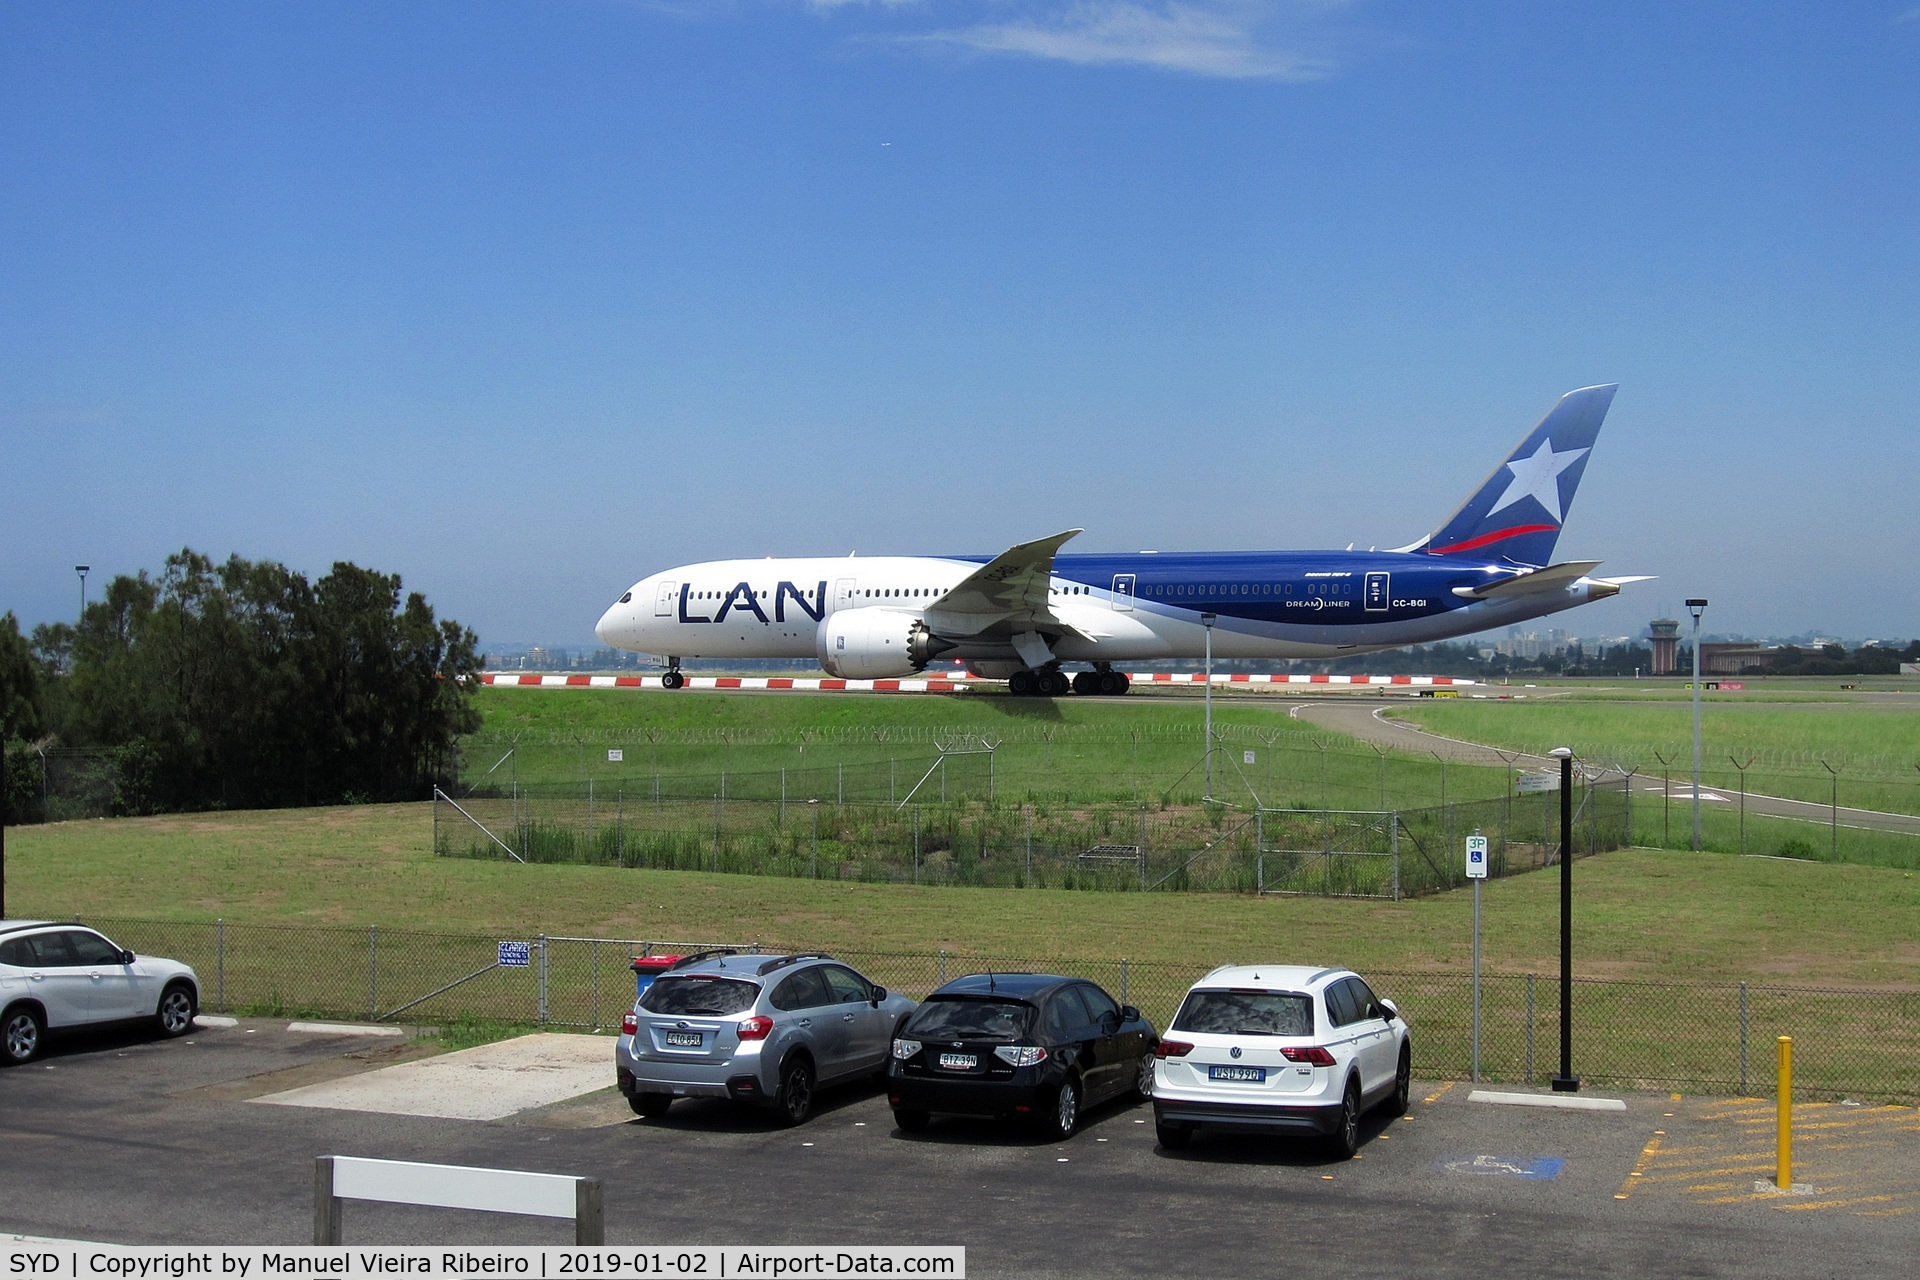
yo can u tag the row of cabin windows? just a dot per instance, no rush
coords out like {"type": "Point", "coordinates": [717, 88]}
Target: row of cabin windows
{"type": "Point", "coordinates": [1252, 589]}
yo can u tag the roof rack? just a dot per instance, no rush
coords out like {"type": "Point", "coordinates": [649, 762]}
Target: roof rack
{"type": "Point", "coordinates": [698, 956]}
{"type": "Point", "coordinates": [781, 962]}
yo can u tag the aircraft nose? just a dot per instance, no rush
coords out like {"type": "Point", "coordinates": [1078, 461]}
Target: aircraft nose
{"type": "Point", "coordinates": [608, 628]}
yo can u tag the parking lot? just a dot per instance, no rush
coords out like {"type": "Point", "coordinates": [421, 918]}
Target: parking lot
{"type": "Point", "coordinates": [120, 1138]}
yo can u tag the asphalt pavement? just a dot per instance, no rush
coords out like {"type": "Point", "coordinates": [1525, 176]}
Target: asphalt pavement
{"type": "Point", "coordinates": [124, 1139]}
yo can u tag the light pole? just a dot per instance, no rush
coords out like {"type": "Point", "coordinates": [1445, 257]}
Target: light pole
{"type": "Point", "coordinates": [82, 570]}
{"type": "Point", "coordinates": [1566, 1081]}
{"type": "Point", "coordinates": [1207, 620]}
{"type": "Point", "coordinates": [1696, 608]}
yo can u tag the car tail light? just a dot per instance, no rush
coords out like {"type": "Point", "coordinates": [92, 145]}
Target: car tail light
{"type": "Point", "coordinates": [756, 1028]}
{"type": "Point", "coordinates": [904, 1049]}
{"type": "Point", "coordinates": [1172, 1049]}
{"type": "Point", "coordinates": [1020, 1055]}
{"type": "Point", "coordinates": [1311, 1054]}
{"type": "Point", "coordinates": [630, 1023]}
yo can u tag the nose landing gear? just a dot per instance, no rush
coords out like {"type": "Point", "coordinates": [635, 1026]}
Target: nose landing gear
{"type": "Point", "coordinates": [673, 679]}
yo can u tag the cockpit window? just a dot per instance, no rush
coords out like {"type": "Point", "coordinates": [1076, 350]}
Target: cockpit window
{"type": "Point", "coordinates": [627, 598]}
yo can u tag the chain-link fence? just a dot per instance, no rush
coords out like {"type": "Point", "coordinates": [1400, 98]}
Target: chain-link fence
{"type": "Point", "coordinates": [1210, 847]}
{"type": "Point", "coordinates": [1692, 1037]}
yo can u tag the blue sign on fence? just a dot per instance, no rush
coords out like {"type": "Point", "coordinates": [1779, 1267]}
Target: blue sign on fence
{"type": "Point", "coordinates": [515, 955]}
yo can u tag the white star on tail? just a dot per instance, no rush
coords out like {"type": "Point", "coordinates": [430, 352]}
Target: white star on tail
{"type": "Point", "coordinates": [1538, 478]}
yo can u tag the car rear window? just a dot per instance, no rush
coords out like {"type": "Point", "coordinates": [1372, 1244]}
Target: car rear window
{"type": "Point", "coordinates": [1246, 1013]}
{"type": "Point", "coordinates": [1004, 1020]}
{"type": "Point", "coordinates": [699, 995]}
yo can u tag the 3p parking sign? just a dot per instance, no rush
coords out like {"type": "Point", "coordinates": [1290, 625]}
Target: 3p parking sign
{"type": "Point", "coordinates": [1476, 857]}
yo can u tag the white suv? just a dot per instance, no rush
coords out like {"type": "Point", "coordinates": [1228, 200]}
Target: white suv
{"type": "Point", "coordinates": [58, 977]}
{"type": "Point", "coordinates": [1282, 1049]}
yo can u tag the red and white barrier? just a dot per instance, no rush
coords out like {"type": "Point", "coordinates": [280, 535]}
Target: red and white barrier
{"type": "Point", "coordinates": [931, 684]}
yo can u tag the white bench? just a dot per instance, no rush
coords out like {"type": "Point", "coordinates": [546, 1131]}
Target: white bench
{"type": "Point", "coordinates": [453, 1186]}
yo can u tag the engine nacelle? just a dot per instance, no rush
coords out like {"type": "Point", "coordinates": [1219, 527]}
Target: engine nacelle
{"type": "Point", "coordinates": [875, 644]}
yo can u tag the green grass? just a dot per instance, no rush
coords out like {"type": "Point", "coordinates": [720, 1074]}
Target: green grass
{"type": "Point", "coordinates": [875, 748]}
{"type": "Point", "coordinates": [1875, 748]}
{"type": "Point", "coordinates": [1641, 913]}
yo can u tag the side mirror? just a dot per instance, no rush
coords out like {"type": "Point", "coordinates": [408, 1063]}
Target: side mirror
{"type": "Point", "coordinates": [1389, 1010]}
{"type": "Point", "coordinates": [126, 957]}
{"type": "Point", "coordinates": [1129, 1014]}
{"type": "Point", "coordinates": [877, 993]}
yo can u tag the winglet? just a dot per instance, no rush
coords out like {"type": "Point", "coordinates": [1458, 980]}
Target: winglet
{"type": "Point", "coordinates": [1517, 511]}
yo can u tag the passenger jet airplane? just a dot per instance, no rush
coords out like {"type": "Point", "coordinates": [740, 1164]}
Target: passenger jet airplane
{"type": "Point", "coordinates": [1021, 614]}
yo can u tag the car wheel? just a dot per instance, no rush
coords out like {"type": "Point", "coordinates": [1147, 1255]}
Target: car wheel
{"type": "Point", "coordinates": [651, 1105]}
{"type": "Point", "coordinates": [911, 1121]}
{"type": "Point", "coordinates": [1143, 1077]}
{"type": "Point", "coordinates": [177, 1007]}
{"type": "Point", "coordinates": [20, 1035]}
{"type": "Point", "coordinates": [1344, 1141]}
{"type": "Point", "coordinates": [1172, 1136]}
{"type": "Point", "coordinates": [1064, 1116]}
{"type": "Point", "coordinates": [795, 1099]}
{"type": "Point", "coordinates": [1402, 1084]}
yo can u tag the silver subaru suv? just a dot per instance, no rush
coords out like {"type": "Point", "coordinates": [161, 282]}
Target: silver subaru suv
{"type": "Point", "coordinates": [764, 1030]}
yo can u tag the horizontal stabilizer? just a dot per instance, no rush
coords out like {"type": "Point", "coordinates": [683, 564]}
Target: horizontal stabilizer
{"type": "Point", "coordinates": [1554, 577]}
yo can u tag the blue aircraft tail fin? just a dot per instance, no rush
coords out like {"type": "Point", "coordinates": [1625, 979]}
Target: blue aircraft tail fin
{"type": "Point", "coordinates": [1517, 511]}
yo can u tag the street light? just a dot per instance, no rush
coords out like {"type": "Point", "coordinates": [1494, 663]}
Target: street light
{"type": "Point", "coordinates": [1566, 1081]}
{"type": "Point", "coordinates": [1207, 620]}
{"type": "Point", "coordinates": [82, 569]}
{"type": "Point", "coordinates": [1696, 608]}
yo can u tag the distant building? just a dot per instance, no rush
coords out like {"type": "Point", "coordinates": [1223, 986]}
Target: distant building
{"type": "Point", "coordinates": [1665, 635]}
{"type": "Point", "coordinates": [1910, 668]}
{"type": "Point", "coordinates": [1732, 659]}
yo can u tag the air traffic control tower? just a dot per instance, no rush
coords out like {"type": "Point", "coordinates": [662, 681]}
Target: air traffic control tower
{"type": "Point", "coordinates": [1665, 634]}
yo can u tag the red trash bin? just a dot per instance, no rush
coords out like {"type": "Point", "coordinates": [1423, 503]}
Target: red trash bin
{"type": "Point", "coordinates": [647, 968]}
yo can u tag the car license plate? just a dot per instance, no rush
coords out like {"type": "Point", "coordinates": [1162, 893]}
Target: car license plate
{"type": "Point", "coordinates": [1242, 1075]}
{"type": "Point", "coordinates": [682, 1039]}
{"type": "Point", "coordinates": [959, 1061]}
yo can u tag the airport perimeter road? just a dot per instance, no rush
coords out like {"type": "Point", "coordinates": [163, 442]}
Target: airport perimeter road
{"type": "Point", "coordinates": [1369, 725]}
{"type": "Point", "coordinates": [125, 1140]}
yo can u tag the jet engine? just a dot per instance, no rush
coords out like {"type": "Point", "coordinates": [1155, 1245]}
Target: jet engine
{"type": "Point", "coordinates": [875, 644]}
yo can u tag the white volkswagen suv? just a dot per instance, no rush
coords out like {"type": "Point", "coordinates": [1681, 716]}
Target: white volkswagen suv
{"type": "Point", "coordinates": [1281, 1049]}
{"type": "Point", "coordinates": [59, 977]}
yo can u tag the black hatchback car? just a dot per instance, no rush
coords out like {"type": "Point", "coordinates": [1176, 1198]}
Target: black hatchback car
{"type": "Point", "coordinates": [1030, 1046]}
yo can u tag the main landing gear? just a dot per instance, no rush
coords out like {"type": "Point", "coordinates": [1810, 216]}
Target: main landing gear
{"type": "Point", "coordinates": [1048, 682]}
{"type": "Point", "coordinates": [673, 679]}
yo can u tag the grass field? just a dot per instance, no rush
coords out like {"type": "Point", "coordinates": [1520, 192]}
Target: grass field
{"type": "Point", "coordinates": [1147, 750]}
{"type": "Point", "coordinates": [1641, 913]}
{"type": "Point", "coordinates": [1875, 748]}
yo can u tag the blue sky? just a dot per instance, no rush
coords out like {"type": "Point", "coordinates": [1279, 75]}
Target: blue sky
{"type": "Point", "coordinates": [524, 301]}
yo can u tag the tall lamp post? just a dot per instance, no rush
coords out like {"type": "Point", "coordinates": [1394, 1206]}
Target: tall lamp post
{"type": "Point", "coordinates": [1566, 1081]}
{"type": "Point", "coordinates": [82, 570]}
{"type": "Point", "coordinates": [1696, 608]}
{"type": "Point", "coordinates": [1207, 620]}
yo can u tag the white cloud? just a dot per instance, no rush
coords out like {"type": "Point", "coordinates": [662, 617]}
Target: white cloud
{"type": "Point", "coordinates": [1231, 39]}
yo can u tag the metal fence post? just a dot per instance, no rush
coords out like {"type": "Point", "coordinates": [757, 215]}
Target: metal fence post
{"type": "Point", "coordinates": [916, 844]}
{"type": "Point", "coordinates": [540, 1012]}
{"type": "Point", "coordinates": [1529, 1028]}
{"type": "Point", "coordinates": [220, 965]}
{"type": "Point", "coordinates": [1743, 1037]}
{"type": "Point", "coordinates": [1395, 845]}
{"type": "Point", "coordinates": [1123, 979]}
{"type": "Point", "coordinates": [373, 970]}
{"type": "Point", "coordinates": [594, 948]}
{"type": "Point", "coordinates": [1026, 811]}
{"type": "Point", "coordinates": [943, 966]}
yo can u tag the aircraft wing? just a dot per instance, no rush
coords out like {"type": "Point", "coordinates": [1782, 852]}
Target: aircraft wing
{"type": "Point", "coordinates": [1009, 589]}
{"type": "Point", "coordinates": [1555, 577]}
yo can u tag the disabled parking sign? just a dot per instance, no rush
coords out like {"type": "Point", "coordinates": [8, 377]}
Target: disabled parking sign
{"type": "Point", "coordinates": [1476, 857]}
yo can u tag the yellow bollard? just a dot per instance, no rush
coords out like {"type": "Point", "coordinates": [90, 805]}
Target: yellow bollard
{"type": "Point", "coordinates": [1783, 1172]}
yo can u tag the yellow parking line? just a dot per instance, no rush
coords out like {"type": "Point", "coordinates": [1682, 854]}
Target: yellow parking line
{"type": "Point", "coordinates": [1437, 1092]}
{"type": "Point", "coordinates": [1839, 1204]}
{"type": "Point", "coordinates": [1647, 1153]}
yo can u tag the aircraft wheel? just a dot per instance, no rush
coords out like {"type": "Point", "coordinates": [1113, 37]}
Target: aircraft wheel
{"type": "Point", "coordinates": [1020, 683]}
{"type": "Point", "coordinates": [1051, 684]}
{"type": "Point", "coordinates": [672, 680]}
{"type": "Point", "coordinates": [1112, 682]}
{"type": "Point", "coordinates": [1086, 682]}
